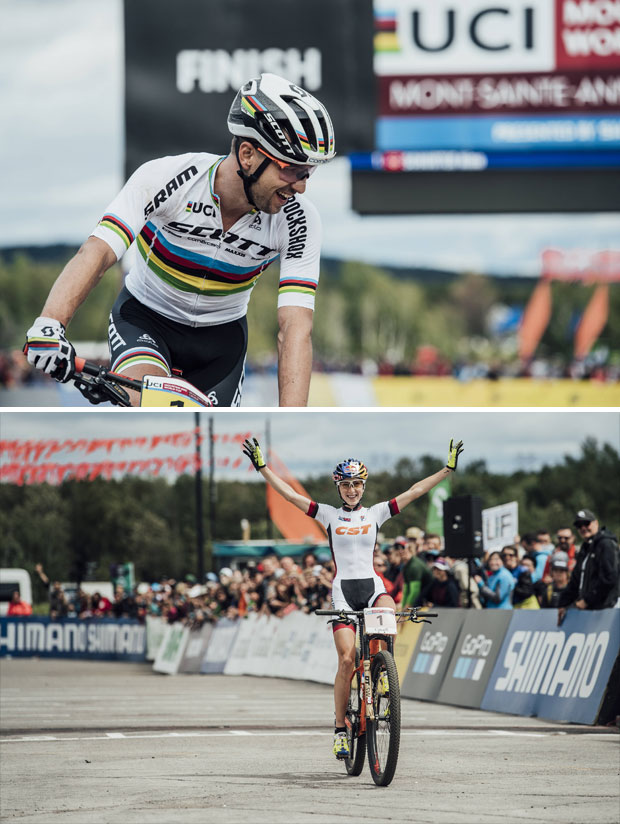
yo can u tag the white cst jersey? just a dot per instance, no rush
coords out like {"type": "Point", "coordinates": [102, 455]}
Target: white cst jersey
{"type": "Point", "coordinates": [352, 535]}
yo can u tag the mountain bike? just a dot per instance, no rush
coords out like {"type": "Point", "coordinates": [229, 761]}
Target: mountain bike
{"type": "Point", "coordinates": [373, 712]}
{"type": "Point", "coordinates": [99, 384]}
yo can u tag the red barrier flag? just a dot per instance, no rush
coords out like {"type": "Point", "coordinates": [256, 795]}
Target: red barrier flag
{"type": "Point", "coordinates": [535, 320]}
{"type": "Point", "coordinates": [294, 525]}
{"type": "Point", "coordinates": [592, 321]}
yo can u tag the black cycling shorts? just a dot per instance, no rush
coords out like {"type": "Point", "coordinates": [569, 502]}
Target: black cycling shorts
{"type": "Point", "coordinates": [212, 358]}
{"type": "Point", "coordinates": [356, 594]}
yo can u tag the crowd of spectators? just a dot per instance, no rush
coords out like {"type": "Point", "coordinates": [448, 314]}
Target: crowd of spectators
{"type": "Point", "coordinates": [16, 372]}
{"type": "Point", "coordinates": [533, 572]}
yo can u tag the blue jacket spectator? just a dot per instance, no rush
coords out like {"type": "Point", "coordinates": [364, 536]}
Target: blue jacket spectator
{"type": "Point", "coordinates": [497, 589]}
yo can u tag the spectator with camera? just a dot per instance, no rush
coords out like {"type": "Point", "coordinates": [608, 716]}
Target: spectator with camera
{"type": "Point", "coordinates": [593, 582]}
{"type": "Point", "coordinates": [496, 590]}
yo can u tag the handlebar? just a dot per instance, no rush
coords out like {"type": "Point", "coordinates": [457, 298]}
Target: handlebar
{"type": "Point", "coordinates": [99, 384]}
{"type": "Point", "coordinates": [411, 614]}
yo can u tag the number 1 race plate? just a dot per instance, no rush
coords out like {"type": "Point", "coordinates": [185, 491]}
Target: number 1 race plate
{"type": "Point", "coordinates": [380, 621]}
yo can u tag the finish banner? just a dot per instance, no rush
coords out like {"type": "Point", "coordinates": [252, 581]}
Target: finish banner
{"type": "Point", "coordinates": [105, 640]}
{"type": "Point", "coordinates": [185, 62]}
{"type": "Point", "coordinates": [474, 657]}
{"type": "Point", "coordinates": [559, 673]}
{"type": "Point", "coordinates": [432, 655]}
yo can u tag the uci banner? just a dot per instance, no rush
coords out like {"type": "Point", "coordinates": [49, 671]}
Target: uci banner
{"type": "Point", "coordinates": [185, 61]}
{"type": "Point", "coordinates": [106, 640]}
{"type": "Point", "coordinates": [559, 673]}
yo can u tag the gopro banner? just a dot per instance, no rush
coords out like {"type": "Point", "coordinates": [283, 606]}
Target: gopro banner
{"type": "Point", "coordinates": [559, 673]}
{"type": "Point", "coordinates": [474, 657]}
{"type": "Point", "coordinates": [432, 654]}
{"type": "Point", "coordinates": [105, 640]}
{"type": "Point", "coordinates": [185, 63]}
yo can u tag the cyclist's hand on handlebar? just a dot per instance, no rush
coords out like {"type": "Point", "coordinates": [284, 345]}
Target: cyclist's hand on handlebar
{"type": "Point", "coordinates": [455, 451]}
{"type": "Point", "coordinates": [47, 348]}
{"type": "Point", "coordinates": [253, 451]}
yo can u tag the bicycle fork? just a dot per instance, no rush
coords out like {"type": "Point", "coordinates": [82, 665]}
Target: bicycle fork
{"type": "Point", "coordinates": [370, 710]}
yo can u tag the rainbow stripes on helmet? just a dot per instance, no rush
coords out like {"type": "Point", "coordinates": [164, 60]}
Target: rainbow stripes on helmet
{"type": "Point", "coordinates": [350, 469]}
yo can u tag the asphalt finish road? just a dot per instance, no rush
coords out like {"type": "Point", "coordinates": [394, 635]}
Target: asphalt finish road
{"type": "Point", "coordinates": [108, 742]}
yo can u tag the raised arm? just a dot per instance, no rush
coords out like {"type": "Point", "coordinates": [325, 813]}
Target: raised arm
{"type": "Point", "coordinates": [254, 453]}
{"type": "Point", "coordinates": [422, 487]}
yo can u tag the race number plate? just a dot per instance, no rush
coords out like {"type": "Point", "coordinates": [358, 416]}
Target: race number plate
{"type": "Point", "coordinates": [380, 621]}
{"type": "Point", "coordinates": [160, 391]}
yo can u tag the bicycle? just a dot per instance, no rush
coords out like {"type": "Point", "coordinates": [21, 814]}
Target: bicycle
{"type": "Point", "coordinates": [373, 712]}
{"type": "Point", "coordinates": [99, 384]}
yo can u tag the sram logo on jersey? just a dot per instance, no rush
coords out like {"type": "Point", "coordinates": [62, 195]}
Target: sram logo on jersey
{"type": "Point", "coordinates": [353, 530]}
{"type": "Point", "coordinates": [230, 238]}
{"type": "Point", "coordinates": [170, 187]}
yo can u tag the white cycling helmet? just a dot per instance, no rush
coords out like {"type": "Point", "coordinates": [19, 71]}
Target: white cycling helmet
{"type": "Point", "coordinates": [285, 120]}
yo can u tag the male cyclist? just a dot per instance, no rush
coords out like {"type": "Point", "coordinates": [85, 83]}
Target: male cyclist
{"type": "Point", "coordinates": [352, 530]}
{"type": "Point", "coordinates": [205, 228]}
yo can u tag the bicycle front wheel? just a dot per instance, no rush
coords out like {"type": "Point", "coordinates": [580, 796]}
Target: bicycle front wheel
{"type": "Point", "coordinates": [384, 731]}
{"type": "Point", "coordinates": [357, 743]}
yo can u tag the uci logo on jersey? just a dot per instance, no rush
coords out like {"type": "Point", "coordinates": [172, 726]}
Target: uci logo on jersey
{"type": "Point", "coordinates": [200, 208]}
{"type": "Point", "coordinates": [353, 530]}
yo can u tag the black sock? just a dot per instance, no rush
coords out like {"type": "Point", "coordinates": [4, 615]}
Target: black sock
{"type": "Point", "coordinates": [340, 729]}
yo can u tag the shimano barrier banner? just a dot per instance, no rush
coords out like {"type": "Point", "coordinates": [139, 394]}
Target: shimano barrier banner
{"type": "Point", "coordinates": [106, 640]}
{"type": "Point", "coordinates": [474, 657]}
{"type": "Point", "coordinates": [185, 61]}
{"type": "Point", "coordinates": [559, 673]}
{"type": "Point", "coordinates": [432, 654]}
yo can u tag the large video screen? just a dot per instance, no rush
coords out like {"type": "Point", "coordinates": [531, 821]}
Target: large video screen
{"type": "Point", "coordinates": [515, 87]}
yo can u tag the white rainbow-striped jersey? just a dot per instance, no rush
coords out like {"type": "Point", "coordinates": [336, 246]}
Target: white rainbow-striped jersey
{"type": "Point", "coordinates": [187, 268]}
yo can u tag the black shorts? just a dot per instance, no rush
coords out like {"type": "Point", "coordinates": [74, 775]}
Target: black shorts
{"type": "Point", "coordinates": [212, 358]}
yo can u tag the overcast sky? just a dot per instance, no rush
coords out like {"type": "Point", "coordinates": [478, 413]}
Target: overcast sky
{"type": "Point", "coordinates": [312, 442]}
{"type": "Point", "coordinates": [61, 156]}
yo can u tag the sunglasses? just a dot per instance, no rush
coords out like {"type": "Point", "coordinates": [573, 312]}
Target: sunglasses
{"type": "Point", "coordinates": [290, 172]}
{"type": "Point", "coordinates": [581, 524]}
{"type": "Point", "coordinates": [351, 484]}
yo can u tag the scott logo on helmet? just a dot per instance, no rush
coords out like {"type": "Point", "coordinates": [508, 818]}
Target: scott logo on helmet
{"type": "Point", "coordinates": [283, 140]}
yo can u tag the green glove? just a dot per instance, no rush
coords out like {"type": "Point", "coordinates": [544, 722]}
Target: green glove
{"type": "Point", "coordinates": [252, 450]}
{"type": "Point", "coordinates": [455, 451]}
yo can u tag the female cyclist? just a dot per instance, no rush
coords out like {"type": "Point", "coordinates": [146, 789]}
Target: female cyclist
{"type": "Point", "coordinates": [352, 530]}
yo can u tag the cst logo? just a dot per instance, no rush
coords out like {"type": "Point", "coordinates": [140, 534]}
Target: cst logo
{"type": "Point", "coordinates": [353, 530]}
